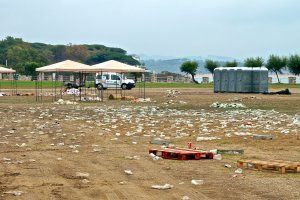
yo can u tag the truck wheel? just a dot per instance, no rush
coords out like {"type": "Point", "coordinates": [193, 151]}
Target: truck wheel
{"type": "Point", "coordinates": [100, 87]}
{"type": "Point", "coordinates": [124, 86]}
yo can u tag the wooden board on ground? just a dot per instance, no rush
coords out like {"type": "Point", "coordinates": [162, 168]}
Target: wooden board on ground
{"type": "Point", "coordinates": [276, 165]}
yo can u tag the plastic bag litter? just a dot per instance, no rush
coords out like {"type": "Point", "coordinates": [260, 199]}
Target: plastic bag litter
{"type": "Point", "coordinates": [15, 193]}
{"type": "Point", "coordinates": [162, 187]}
{"type": "Point", "coordinates": [82, 175]}
{"type": "Point", "coordinates": [197, 182]}
{"type": "Point", "coordinates": [238, 171]}
{"type": "Point", "coordinates": [128, 172]}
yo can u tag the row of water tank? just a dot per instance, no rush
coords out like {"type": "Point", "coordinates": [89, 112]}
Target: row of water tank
{"type": "Point", "coordinates": [241, 79]}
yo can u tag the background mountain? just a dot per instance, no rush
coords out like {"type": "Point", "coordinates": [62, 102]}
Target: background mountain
{"type": "Point", "coordinates": [172, 64]}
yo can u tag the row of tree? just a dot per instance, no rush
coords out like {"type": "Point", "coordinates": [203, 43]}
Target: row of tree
{"type": "Point", "coordinates": [25, 57]}
{"type": "Point", "coordinates": [275, 63]}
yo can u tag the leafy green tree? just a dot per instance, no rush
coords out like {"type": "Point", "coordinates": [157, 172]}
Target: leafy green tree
{"type": "Point", "coordinates": [19, 55]}
{"type": "Point", "coordinates": [294, 64]}
{"type": "Point", "coordinates": [211, 65]}
{"type": "Point", "coordinates": [276, 64]}
{"type": "Point", "coordinates": [5, 44]}
{"type": "Point", "coordinates": [231, 64]}
{"type": "Point", "coordinates": [190, 67]}
{"type": "Point", "coordinates": [77, 53]}
{"type": "Point", "coordinates": [254, 62]}
{"type": "Point", "coordinates": [30, 67]}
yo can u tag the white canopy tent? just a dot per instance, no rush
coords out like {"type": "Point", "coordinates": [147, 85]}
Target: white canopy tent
{"type": "Point", "coordinates": [115, 66]}
{"type": "Point", "coordinates": [6, 70]}
{"type": "Point", "coordinates": [119, 67]}
{"type": "Point", "coordinates": [72, 66]}
{"type": "Point", "coordinates": [66, 66]}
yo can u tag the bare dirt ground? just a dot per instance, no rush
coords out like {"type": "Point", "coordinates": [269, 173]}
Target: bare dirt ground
{"type": "Point", "coordinates": [44, 147]}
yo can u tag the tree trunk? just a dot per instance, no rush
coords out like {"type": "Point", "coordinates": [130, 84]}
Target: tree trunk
{"type": "Point", "coordinates": [277, 77]}
{"type": "Point", "coordinates": [193, 77]}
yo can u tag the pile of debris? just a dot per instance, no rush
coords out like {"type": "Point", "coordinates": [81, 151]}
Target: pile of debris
{"type": "Point", "coordinates": [172, 93]}
{"type": "Point", "coordinates": [62, 102]}
{"type": "Point", "coordinates": [227, 105]}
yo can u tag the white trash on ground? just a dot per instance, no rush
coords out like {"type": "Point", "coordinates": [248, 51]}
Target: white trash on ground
{"type": "Point", "coordinates": [15, 193]}
{"type": "Point", "coordinates": [82, 175]}
{"type": "Point", "coordinates": [128, 172]}
{"type": "Point", "coordinates": [162, 187]}
{"type": "Point", "coordinates": [238, 171]}
{"type": "Point", "coordinates": [197, 182]}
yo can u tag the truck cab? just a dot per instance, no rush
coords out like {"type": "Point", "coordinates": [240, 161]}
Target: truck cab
{"type": "Point", "coordinates": [113, 80]}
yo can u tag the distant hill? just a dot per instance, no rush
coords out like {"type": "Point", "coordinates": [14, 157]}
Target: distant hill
{"type": "Point", "coordinates": [25, 57]}
{"type": "Point", "coordinates": [158, 64]}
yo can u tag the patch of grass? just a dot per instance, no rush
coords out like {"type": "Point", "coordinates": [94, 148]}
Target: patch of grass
{"type": "Point", "coordinates": [175, 85]}
{"type": "Point", "coordinates": [4, 84]}
{"type": "Point", "coordinates": [27, 84]}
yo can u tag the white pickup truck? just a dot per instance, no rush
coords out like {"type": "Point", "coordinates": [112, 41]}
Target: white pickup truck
{"type": "Point", "coordinates": [113, 80]}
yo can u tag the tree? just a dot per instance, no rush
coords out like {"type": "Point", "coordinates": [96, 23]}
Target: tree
{"type": "Point", "coordinates": [77, 53]}
{"type": "Point", "coordinates": [211, 65]}
{"type": "Point", "coordinates": [276, 64]}
{"type": "Point", "coordinates": [190, 67]}
{"type": "Point", "coordinates": [254, 62]}
{"type": "Point", "coordinates": [231, 64]}
{"type": "Point", "coordinates": [18, 55]}
{"type": "Point", "coordinates": [293, 64]}
{"type": "Point", "coordinates": [30, 68]}
{"type": "Point", "coordinates": [5, 45]}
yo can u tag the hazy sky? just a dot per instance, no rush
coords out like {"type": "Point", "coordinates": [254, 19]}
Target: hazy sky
{"type": "Point", "coordinates": [234, 28]}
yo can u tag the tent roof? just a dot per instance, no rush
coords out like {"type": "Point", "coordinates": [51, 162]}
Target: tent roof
{"type": "Point", "coordinates": [6, 70]}
{"type": "Point", "coordinates": [115, 66]}
{"type": "Point", "coordinates": [65, 66]}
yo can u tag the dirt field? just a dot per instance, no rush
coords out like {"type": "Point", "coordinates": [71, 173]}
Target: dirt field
{"type": "Point", "coordinates": [80, 151]}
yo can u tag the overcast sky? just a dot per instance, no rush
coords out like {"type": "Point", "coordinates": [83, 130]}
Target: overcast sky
{"type": "Point", "coordinates": [233, 28]}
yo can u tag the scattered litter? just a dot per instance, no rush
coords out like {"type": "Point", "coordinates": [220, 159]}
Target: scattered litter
{"type": "Point", "coordinates": [85, 181]}
{"type": "Point", "coordinates": [238, 171]}
{"type": "Point", "coordinates": [132, 157]}
{"type": "Point", "coordinates": [154, 157]}
{"type": "Point", "coordinates": [172, 93]}
{"type": "Point", "coordinates": [15, 193]}
{"type": "Point", "coordinates": [197, 182]}
{"type": "Point", "coordinates": [128, 172]}
{"type": "Point", "coordinates": [62, 102]}
{"type": "Point", "coordinates": [141, 100]}
{"type": "Point", "coordinates": [214, 151]}
{"type": "Point", "coordinates": [162, 187]}
{"type": "Point", "coordinates": [3, 94]}
{"type": "Point", "coordinates": [185, 198]}
{"type": "Point", "coordinates": [218, 157]}
{"type": "Point", "coordinates": [284, 92]}
{"type": "Point", "coordinates": [227, 165]}
{"type": "Point", "coordinates": [262, 137]}
{"type": "Point", "coordinates": [227, 105]}
{"type": "Point", "coordinates": [231, 152]}
{"type": "Point", "coordinates": [82, 175]}
{"type": "Point", "coordinates": [122, 182]}
{"type": "Point", "coordinates": [207, 138]}
{"type": "Point", "coordinates": [160, 141]}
